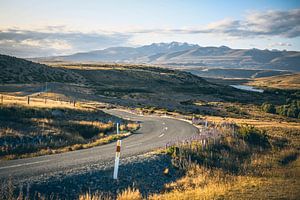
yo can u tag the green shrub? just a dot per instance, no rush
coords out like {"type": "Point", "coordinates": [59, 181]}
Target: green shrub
{"type": "Point", "coordinates": [289, 110]}
{"type": "Point", "coordinates": [288, 156]}
{"type": "Point", "coordinates": [254, 136]}
{"type": "Point", "coordinates": [269, 108]}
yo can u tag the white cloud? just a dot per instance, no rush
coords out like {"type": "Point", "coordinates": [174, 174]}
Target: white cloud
{"type": "Point", "coordinates": [270, 23]}
{"type": "Point", "coordinates": [280, 44]}
{"type": "Point", "coordinates": [53, 42]}
{"type": "Point", "coordinates": [57, 40]}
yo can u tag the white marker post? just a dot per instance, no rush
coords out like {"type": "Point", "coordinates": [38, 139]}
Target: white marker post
{"type": "Point", "coordinates": [117, 159]}
{"type": "Point", "coordinates": [205, 123]}
{"type": "Point", "coordinates": [118, 128]}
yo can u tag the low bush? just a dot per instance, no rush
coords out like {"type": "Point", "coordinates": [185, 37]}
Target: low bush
{"type": "Point", "coordinates": [290, 109]}
{"type": "Point", "coordinates": [254, 136]}
{"type": "Point", "coordinates": [268, 107]}
{"type": "Point", "coordinates": [288, 156]}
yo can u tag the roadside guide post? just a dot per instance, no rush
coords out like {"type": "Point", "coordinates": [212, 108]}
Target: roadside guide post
{"type": "Point", "coordinates": [118, 128]}
{"type": "Point", "coordinates": [117, 158]}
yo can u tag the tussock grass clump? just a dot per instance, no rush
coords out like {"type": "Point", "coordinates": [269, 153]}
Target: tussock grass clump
{"type": "Point", "coordinates": [97, 196]}
{"type": "Point", "coordinates": [130, 194]}
{"type": "Point", "coordinates": [127, 194]}
{"type": "Point", "coordinates": [228, 152]}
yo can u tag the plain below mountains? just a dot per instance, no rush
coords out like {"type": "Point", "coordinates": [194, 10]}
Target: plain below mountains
{"type": "Point", "coordinates": [184, 54]}
{"type": "Point", "coordinates": [127, 85]}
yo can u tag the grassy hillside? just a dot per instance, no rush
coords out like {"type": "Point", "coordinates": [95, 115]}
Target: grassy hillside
{"type": "Point", "coordinates": [234, 73]}
{"type": "Point", "coordinates": [144, 86]}
{"type": "Point", "coordinates": [127, 85]}
{"type": "Point", "coordinates": [16, 70]}
{"type": "Point", "coordinates": [290, 81]}
{"type": "Point", "coordinates": [27, 131]}
{"type": "Point", "coordinates": [255, 155]}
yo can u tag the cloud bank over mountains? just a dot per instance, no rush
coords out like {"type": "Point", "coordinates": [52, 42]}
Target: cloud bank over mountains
{"type": "Point", "coordinates": [58, 40]}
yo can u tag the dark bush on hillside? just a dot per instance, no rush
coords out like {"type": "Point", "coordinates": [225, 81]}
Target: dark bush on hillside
{"type": "Point", "coordinates": [288, 157]}
{"type": "Point", "coordinates": [269, 108]}
{"type": "Point", "coordinates": [291, 109]}
{"type": "Point", "coordinates": [23, 112]}
{"type": "Point", "coordinates": [254, 136]}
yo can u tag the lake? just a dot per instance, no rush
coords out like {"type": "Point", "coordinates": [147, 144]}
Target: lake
{"type": "Point", "coordinates": [247, 88]}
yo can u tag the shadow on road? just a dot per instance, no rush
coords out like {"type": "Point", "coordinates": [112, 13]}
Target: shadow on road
{"type": "Point", "coordinates": [146, 175]}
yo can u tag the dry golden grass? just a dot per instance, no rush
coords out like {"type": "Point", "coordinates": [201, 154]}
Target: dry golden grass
{"type": "Point", "coordinates": [98, 142]}
{"type": "Point", "coordinates": [95, 67]}
{"type": "Point", "coordinates": [132, 126]}
{"type": "Point", "coordinates": [260, 123]}
{"type": "Point", "coordinates": [80, 106]}
{"type": "Point", "coordinates": [100, 125]}
{"type": "Point", "coordinates": [130, 194]}
{"type": "Point", "coordinates": [50, 100]}
{"type": "Point", "coordinates": [199, 183]}
{"type": "Point", "coordinates": [39, 102]}
{"type": "Point", "coordinates": [279, 183]}
{"type": "Point", "coordinates": [127, 194]}
{"type": "Point", "coordinates": [291, 81]}
{"type": "Point", "coordinates": [89, 196]}
{"type": "Point", "coordinates": [268, 174]}
{"type": "Point", "coordinates": [202, 183]}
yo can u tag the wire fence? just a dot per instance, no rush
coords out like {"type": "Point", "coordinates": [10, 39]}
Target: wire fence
{"type": "Point", "coordinates": [35, 101]}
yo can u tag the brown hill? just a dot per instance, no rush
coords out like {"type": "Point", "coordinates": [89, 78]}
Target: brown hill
{"type": "Point", "coordinates": [290, 81]}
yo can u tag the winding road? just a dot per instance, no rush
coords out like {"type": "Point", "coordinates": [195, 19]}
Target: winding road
{"type": "Point", "coordinates": [154, 132]}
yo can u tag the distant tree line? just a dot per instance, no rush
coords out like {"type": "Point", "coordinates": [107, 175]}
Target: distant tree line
{"type": "Point", "coordinates": [290, 109]}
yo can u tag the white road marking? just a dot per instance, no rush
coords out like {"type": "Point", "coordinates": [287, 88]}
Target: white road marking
{"type": "Point", "coordinates": [24, 164]}
{"type": "Point", "coordinates": [166, 128]}
{"type": "Point", "coordinates": [161, 135]}
{"type": "Point", "coordinates": [132, 145]}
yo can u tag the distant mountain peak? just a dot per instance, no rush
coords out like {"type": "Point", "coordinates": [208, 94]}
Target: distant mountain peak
{"type": "Point", "coordinates": [174, 44]}
{"type": "Point", "coordinates": [185, 54]}
{"type": "Point", "coordinates": [224, 47]}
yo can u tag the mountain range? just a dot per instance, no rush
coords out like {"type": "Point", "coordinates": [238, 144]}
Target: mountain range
{"type": "Point", "coordinates": [184, 54]}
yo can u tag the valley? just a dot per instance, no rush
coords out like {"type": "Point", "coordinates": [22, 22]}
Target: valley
{"type": "Point", "coordinates": [149, 100]}
{"type": "Point", "coordinates": [70, 125]}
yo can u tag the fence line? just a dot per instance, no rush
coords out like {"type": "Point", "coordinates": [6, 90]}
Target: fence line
{"type": "Point", "coordinates": [30, 100]}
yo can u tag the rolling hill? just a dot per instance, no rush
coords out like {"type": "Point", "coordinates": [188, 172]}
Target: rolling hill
{"type": "Point", "coordinates": [291, 81]}
{"type": "Point", "coordinates": [128, 85]}
{"type": "Point", "coordinates": [120, 84]}
{"type": "Point", "coordinates": [234, 73]}
{"type": "Point", "coordinates": [184, 54]}
{"type": "Point", "coordinates": [16, 70]}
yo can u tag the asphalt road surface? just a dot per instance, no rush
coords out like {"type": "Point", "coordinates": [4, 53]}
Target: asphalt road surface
{"type": "Point", "coordinates": [154, 132]}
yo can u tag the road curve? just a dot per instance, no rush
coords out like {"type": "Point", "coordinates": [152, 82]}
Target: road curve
{"type": "Point", "coordinates": [154, 132]}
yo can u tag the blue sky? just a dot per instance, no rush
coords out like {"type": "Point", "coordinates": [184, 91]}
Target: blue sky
{"type": "Point", "coordinates": [43, 27]}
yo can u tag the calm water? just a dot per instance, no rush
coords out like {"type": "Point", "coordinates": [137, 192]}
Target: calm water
{"type": "Point", "coordinates": [247, 88]}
